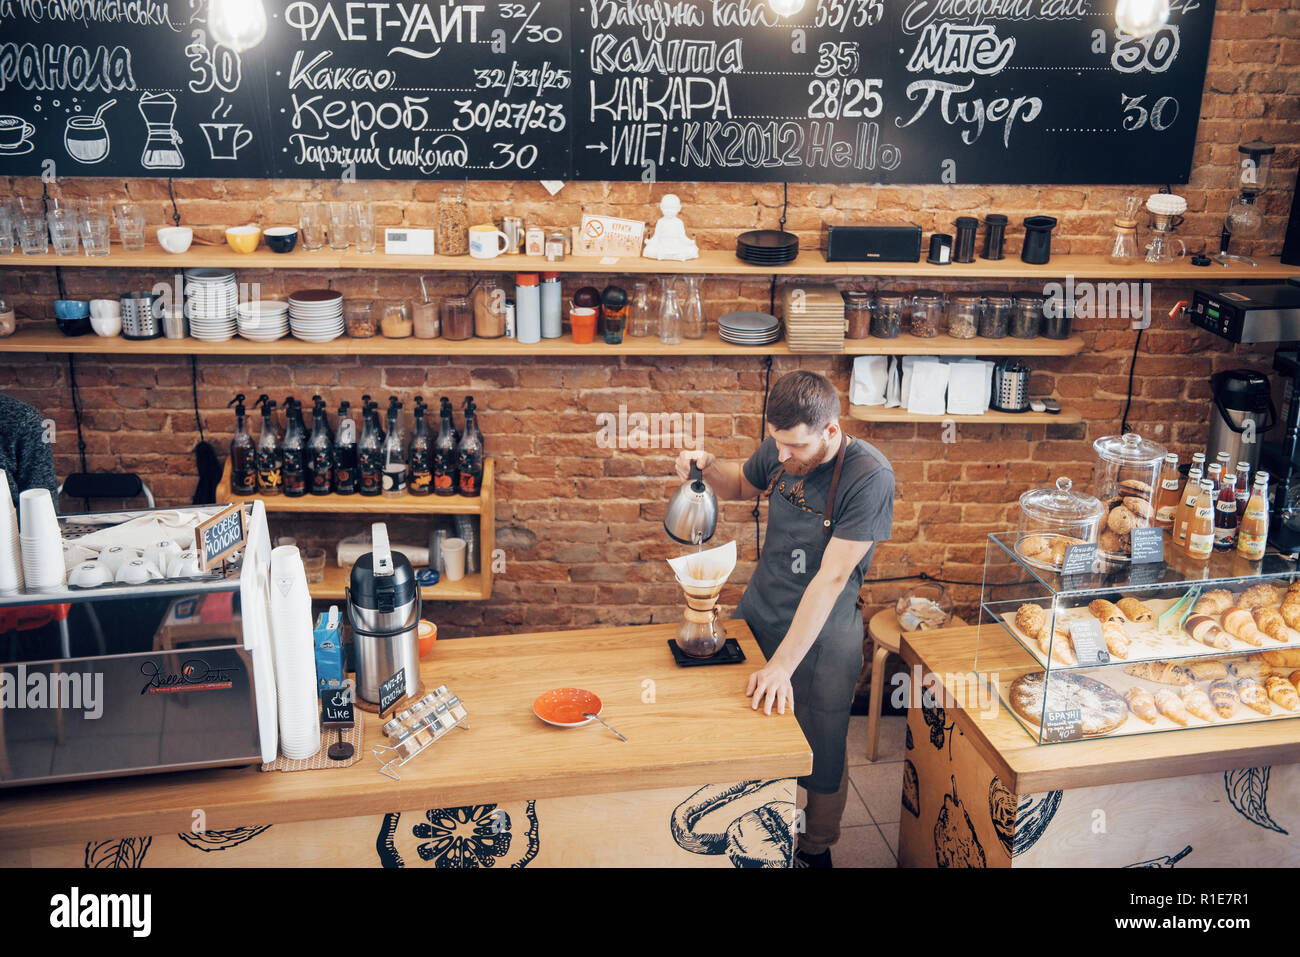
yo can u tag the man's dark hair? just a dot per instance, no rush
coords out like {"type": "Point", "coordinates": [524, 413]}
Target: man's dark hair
{"type": "Point", "coordinates": [802, 398]}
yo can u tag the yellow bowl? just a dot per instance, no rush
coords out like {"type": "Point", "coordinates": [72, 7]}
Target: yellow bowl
{"type": "Point", "coordinates": [243, 239]}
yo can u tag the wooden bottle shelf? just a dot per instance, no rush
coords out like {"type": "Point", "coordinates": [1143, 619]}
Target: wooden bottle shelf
{"type": "Point", "coordinates": [879, 413]}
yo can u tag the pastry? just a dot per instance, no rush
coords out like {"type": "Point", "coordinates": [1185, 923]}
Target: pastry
{"type": "Point", "coordinates": [1130, 488]}
{"type": "Point", "coordinates": [1134, 609]}
{"type": "Point", "coordinates": [1223, 695]}
{"type": "Point", "coordinates": [1283, 658]}
{"type": "Point", "coordinates": [1204, 630]}
{"type": "Point", "coordinates": [1249, 666]}
{"type": "Point", "coordinates": [1252, 695]}
{"type": "Point", "coordinates": [1161, 672]}
{"type": "Point", "coordinates": [1121, 521]}
{"type": "Point", "coordinates": [1105, 611]}
{"type": "Point", "coordinates": [1101, 707]}
{"type": "Point", "coordinates": [1031, 619]}
{"type": "Point", "coordinates": [1282, 692]}
{"type": "Point", "coordinates": [1261, 595]}
{"type": "Point", "coordinates": [1142, 703]}
{"type": "Point", "coordinates": [1290, 612]}
{"type": "Point", "coordinates": [1057, 644]}
{"type": "Point", "coordinates": [1294, 678]}
{"type": "Point", "coordinates": [1207, 669]}
{"type": "Point", "coordinates": [1272, 623]}
{"type": "Point", "coordinates": [1241, 624]}
{"type": "Point", "coordinates": [1059, 548]}
{"type": "Point", "coordinates": [1141, 508]}
{"type": "Point", "coordinates": [1036, 547]}
{"type": "Point", "coordinates": [1110, 542]}
{"type": "Point", "coordinates": [1117, 640]}
{"type": "Point", "coordinates": [1197, 702]}
{"type": "Point", "coordinates": [1170, 705]}
{"type": "Point", "coordinates": [1213, 602]}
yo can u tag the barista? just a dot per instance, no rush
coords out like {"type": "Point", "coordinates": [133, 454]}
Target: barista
{"type": "Point", "coordinates": [831, 499]}
{"type": "Point", "coordinates": [26, 454]}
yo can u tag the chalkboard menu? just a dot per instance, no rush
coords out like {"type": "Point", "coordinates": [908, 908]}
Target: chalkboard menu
{"type": "Point", "coordinates": [890, 91]}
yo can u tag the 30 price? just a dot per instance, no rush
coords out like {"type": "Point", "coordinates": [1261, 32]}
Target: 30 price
{"type": "Point", "coordinates": [510, 156]}
{"type": "Point", "coordinates": [217, 68]}
{"type": "Point", "coordinates": [1160, 116]}
{"type": "Point", "coordinates": [833, 98]}
{"type": "Point", "coordinates": [530, 31]}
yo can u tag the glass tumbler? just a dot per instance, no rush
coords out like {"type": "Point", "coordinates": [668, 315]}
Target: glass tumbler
{"type": "Point", "coordinates": [8, 226]}
{"type": "Point", "coordinates": [64, 224]}
{"type": "Point", "coordinates": [95, 231]}
{"type": "Point", "coordinates": [363, 218]}
{"type": "Point", "coordinates": [311, 219]}
{"type": "Point", "coordinates": [33, 234]}
{"type": "Point", "coordinates": [130, 225]}
{"type": "Point", "coordinates": [341, 226]}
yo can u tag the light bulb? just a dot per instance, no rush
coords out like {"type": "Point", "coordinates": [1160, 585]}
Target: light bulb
{"type": "Point", "coordinates": [787, 8]}
{"type": "Point", "coordinates": [1139, 18]}
{"type": "Point", "coordinates": [237, 24]}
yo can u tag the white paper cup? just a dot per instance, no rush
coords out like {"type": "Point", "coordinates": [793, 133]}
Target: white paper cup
{"type": "Point", "coordinates": [90, 574]}
{"type": "Point", "coordinates": [43, 563]}
{"type": "Point", "coordinates": [11, 556]}
{"type": "Point", "coordinates": [36, 517]}
{"type": "Point", "coordinates": [453, 556]}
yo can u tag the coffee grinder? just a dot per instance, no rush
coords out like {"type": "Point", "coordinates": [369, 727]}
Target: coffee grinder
{"type": "Point", "coordinates": [1244, 218]}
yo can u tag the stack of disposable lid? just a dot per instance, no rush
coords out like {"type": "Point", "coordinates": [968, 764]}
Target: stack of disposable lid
{"type": "Point", "coordinates": [814, 318]}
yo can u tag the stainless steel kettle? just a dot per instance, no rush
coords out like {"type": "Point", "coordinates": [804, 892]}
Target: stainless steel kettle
{"type": "Point", "coordinates": [692, 515]}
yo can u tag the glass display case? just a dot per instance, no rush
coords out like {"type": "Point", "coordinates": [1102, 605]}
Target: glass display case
{"type": "Point", "coordinates": [1138, 648]}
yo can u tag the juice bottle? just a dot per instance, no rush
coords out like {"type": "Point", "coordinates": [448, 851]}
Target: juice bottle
{"type": "Point", "coordinates": [1200, 530]}
{"type": "Point", "coordinates": [1243, 487]}
{"type": "Point", "coordinates": [1253, 535]}
{"type": "Point", "coordinates": [1215, 474]}
{"type": "Point", "coordinates": [1225, 515]}
{"type": "Point", "coordinates": [1186, 504]}
{"type": "Point", "coordinates": [1168, 498]}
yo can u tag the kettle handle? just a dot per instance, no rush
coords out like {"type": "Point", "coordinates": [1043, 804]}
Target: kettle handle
{"type": "Point", "coordinates": [697, 474]}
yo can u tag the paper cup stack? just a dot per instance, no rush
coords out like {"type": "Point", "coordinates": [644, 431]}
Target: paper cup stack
{"type": "Point", "coordinates": [295, 656]}
{"type": "Point", "coordinates": [11, 556]}
{"type": "Point", "coordinates": [40, 540]}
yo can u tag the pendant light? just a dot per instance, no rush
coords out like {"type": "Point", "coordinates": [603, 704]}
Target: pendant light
{"type": "Point", "coordinates": [1139, 18]}
{"type": "Point", "coordinates": [237, 24]}
{"type": "Point", "coordinates": [787, 8]}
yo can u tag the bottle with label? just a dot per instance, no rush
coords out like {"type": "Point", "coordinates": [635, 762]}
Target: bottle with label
{"type": "Point", "coordinates": [1224, 461]}
{"type": "Point", "coordinates": [444, 453]}
{"type": "Point", "coordinates": [243, 453]}
{"type": "Point", "coordinates": [370, 450]}
{"type": "Point", "coordinates": [345, 452]}
{"type": "Point", "coordinates": [420, 458]}
{"type": "Point", "coordinates": [1252, 537]}
{"type": "Point", "coordinates": [1243, 487]}
{"type": "Point", "coordinates": [1215, 475]}
{"type": "Point", "coordinates": [1225, 515]}
{"type": "Point", "coordinates": [1167, 499]}
{"type": "Point", "coordinates": [270, 454]}
{"type": "Point", "coordinates": [1200, 530]}
{"type": "Point", "coordinates": [320, 451]}
{"type": "Point", "coordinates": [295, 449]}
{"type": "Point", "coordinates": [394, 452]}
{"type": "Point", "coordinates": [1186, 505]}
{"type": "Point", "coordinates": [469, 455]}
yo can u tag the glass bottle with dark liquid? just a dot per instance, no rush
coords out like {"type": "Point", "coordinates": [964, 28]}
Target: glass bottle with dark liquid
{"type": "Point", "coordinates": [394, 452]}
{"type": "Point", "coordinates": [420, 458]}
{"type": "Point", "coordinates": [370, 450]}
{"type": "Point", "coordinates": [320, 451]}
{"type": "Point", "coordinates": [444, 453]}
{"type": "Point", "coordinates": [243, 453]}
{"type": "Point", "coordinates": [295, 450]}
{"type": "Point", "coordinates": [469, 457]}
{"type": "Point", "coordinates": [345, 452]}
{"type": "Point", "coordinates": [1225, 515]}
{"type": "Point", "coordinates": [270, 454]}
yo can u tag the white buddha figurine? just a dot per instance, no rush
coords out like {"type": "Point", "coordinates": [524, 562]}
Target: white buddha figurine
{"type": "Point", "coordinates": [670, 240]}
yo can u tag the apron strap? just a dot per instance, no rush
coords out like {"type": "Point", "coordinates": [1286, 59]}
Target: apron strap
{"type": "Point", "coordinates": [827, 519]}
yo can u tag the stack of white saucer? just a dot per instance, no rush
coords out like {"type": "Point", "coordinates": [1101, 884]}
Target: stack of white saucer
{"type": "Point", "coordinates": [263, 320]}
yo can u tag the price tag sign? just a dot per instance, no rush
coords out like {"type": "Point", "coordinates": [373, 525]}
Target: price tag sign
{"type": "Point", "coordinates": [217, 538]}
{"type": "Point", "coordinates": [1148, 545]}
{"type": "Point", "coordinates": [392, 690]}
{"type": "Point", "coordinates": [1079, 559]}
{"type": "Point", "coordinates": [1062, 725]}
{"type": "Point", "coordinates": [336, 708]}
{"type": "Point", "coordinates": [1089, 645]}
{"type": "Point", "coordinates": [1147, 574]}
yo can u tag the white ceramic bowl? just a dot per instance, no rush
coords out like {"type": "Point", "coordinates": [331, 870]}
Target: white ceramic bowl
{"type": "Point", "coordinates": [115, 556]}
{"type": "Point", "coordinates": [175, 239]}
{"type": "Point", "coordinates": [90, 575]}
{"type": "Point", "coordinates": [138, 572]}
{"type": "Point", "coordinates": [184, 565]}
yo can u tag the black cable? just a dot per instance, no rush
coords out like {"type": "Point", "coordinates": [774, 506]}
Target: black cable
{"type": "Point", "coordinates": [785, 203]}
{"type": "Point", "coordinates": [920, 576]}
{"type": "Point", "coordinates": [76, 411]}
{"type": "Point", "coordinates": [771, 297]}
{"type": "Point", "coordinates": [767, 382]}
{"type": "Point", "coordinates": [1128, 403]}
{"type": "Point", "coordinates": [194, 386]}
{"type": "Point", "coordinates": [176, 213]}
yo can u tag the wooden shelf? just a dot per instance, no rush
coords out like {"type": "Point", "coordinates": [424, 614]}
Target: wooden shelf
{"type": "Point", "coordinates": [878, 413]}
{"type": "Point", "coordinates": [359, 505]}
{"type": "Point", "coordinates": [474, 587]}
{"type": "Point", "coordinates": [712, 261]}
{"type": "Point", "coordinates": [36, 340]}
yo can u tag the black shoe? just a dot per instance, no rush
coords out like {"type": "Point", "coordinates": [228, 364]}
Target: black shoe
{"type": "Point", "coordinates": [804, 859]}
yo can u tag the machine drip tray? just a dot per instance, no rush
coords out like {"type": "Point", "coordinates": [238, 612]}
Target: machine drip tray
{"type": "Point", "coordinates": [729, 654]}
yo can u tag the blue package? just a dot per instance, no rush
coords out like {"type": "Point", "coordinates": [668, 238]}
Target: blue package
{"type": "Point", "coordinates": [329, 650]}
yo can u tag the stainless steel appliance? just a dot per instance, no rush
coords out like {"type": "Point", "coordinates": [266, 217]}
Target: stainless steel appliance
{"type": "Point", "coordinates": [1242, 412]}
{"type": "Point", "coordinates": [383, 605]}
{"type": "Point", "coordinates": [1010, 386]}
{"type": "Point", "coordinates": [1257, 313]}
{"type": "Point", "coordinates": [692, 514]}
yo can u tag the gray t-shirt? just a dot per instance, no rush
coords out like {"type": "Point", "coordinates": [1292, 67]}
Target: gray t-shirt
{"type": "Point", "coordinates": [864, 506]}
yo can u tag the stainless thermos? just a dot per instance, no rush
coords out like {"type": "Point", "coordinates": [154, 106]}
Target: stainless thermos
{"type": "Point", "coordinates": [383, 605]}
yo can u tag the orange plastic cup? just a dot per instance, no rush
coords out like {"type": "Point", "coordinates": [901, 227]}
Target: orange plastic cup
{"type": "Point", "coordinates": [583, 321]}
{"type": "Point", "coordinates": [428, 634]}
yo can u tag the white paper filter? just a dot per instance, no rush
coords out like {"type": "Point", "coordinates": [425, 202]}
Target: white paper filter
{"type": "Point", "coordinates": [295, 656]}
{"type": "Point", "coordinates": [705, 569]}
{"type": "Point", "coordinates": [11, 556]}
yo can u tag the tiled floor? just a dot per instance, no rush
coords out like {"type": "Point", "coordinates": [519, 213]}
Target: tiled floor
{"type": "Point", "coordinates": [869, 828]}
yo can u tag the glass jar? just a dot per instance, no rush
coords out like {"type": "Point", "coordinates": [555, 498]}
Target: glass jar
{"type": "Point", "coordinates": [451, 229]}
{"type": "Point", "coordinates": [489, 300]}
{"type": "Point", "coordinates": [995, 320]}
{"type": "Point", "coordinates": [964, 316]}
{"type": "Point", "coordinates": [425, 319]}
{"type": "Point", "coordinates": [458, 318]}
{"type": "Point", "coordinates": [396, 323]}
{"type": "Point", "coordinates": [857, 311]}
{"type": "Point", "coordinates": [1053, 519]}
{"type": "Point", "coordinates": [1057, 314]}
{"type": "Point", "coordinates": [1026, 317]}
{"type": "Point", "coordinates": [928, 308]}
{"type": "Point", "coordinates": [8, 324]}
{"type": "Point", "coordinates": [360, 319]}
{"type": "Point", "coordinates": [887, 315]}
{"type": "Point", "coordinates": [1126, 478]}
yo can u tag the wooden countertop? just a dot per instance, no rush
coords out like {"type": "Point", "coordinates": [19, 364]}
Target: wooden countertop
{"type": "Point", "coordinates": [1029, 768]}
{"type": "Point", "coordinates": [699, 729]}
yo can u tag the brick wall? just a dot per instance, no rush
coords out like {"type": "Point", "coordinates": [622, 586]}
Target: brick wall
{"type": "Point", "coordinates": [580, 525]}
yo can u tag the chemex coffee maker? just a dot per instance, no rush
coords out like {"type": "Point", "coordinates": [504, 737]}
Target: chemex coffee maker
{"type": "Point", "coordinates": [702, 576]}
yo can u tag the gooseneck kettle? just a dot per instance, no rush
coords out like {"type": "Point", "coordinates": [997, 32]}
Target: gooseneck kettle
{"type": "Point", "coordinates": [692, 515]}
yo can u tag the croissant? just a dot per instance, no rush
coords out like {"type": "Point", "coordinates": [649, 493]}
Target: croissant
{"type": "Point", "coordinates": [1283, 658]}
{"type": "Point", "coordinates": [1134, 609]}
{"type": "Point", "coordinates": [1117, 640]}
{"type": "Point", "coordinates": [1105, 610]}
{"type": "Point", "coordinates": [1282, 692]}
{"type": "Point", "coordinates": [1031, 619]}
{"type": "Point", "coordinates": [1272, 623]}
{"type": "Point", "coordinates": [1213, 602]}
{"type": "Point", "coordinates": [1197, 702]}
{"type": "Point", "coordinates": [1205, 631]}
{"type": "Point", "coordinates": [1294, 678]}
{"type": "Point", "coordinates": [1261, 595]}
{"type": "Point", "coordinates": [1241, 624]}
{"type": "Point", "coordinates": [1142, 703]}
{"type": "Point", "coordinates": [1207, 669]}
{"type": "Point", "coordinates": [1161, 672]}
{"type": "Point", "coordinates": [1250, 666]}
{"type": "Point", "coordinates": [1224, 695]}
{"type": "Point", "coordinates": [1058, 645]}
{"type": "Point", "coordinates": [1290, 612]}
{"type": "Point", "coordinates": [1171, 706]}
{"type": "Point", "coordinates": [1253, 695]}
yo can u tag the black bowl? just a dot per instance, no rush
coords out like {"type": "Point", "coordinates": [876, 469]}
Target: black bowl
{"type": "Point", "coordinates": [281, 239]}
{"type": "Point", "coordinates": [74, 327]}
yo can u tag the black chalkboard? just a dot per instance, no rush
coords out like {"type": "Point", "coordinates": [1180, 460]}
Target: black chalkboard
{"type": "Point", "coordinates": [891, 91]}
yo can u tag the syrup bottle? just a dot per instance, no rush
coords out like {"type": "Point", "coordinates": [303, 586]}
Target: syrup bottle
{"type": "Point", "coordinates": [370, 450]}
{"type": "Point", "coordinates": [345, 452]}
{"type": "Point", "coordinates": [270, 454]}
{"type": "Point", "coordinates": [243, 453]}
{"type": "Point", "coordinates": [444, 453]}
{"type": "Point", "coordinates": [394, 452]}
{"type": "Point", "coordinates": [295, 449]}
{"type": "Point", "coordinates": [469, 455]}
{"type": "Point", "coordinates": [320, 451]}
{"type": "Point", "coordinates": [420, 459]}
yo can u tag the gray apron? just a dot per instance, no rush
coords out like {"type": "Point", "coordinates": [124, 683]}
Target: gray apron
{"type": "Point", "coordinates": [824, 681]}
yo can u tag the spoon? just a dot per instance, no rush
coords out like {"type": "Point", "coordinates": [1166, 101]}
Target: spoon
{"type": "Point", "coordinates": [595, 717]}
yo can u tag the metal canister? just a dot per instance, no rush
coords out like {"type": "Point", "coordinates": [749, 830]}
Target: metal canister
{"type": "Point", "coordinates": [383, 606]}
{"type": "Point", "coordinates": [513, 227]}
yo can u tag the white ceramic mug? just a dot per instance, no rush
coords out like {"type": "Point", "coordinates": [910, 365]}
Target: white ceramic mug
{"type": "Point", "coordinates": [90, 574]}
{"type": "Point", "coordinates": [115, 556]}
{"type": "Point", "coordinates": [487, 242]}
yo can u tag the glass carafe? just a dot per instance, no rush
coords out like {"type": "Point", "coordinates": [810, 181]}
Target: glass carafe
{"type": "Point", "coordinates": [701, 634]}
{"type": "Point", "coordinates": [670, 317]}
{"type": "Point", "coordinates": [1124, 244]}
{"type": "Point", "coordinates": [640, 318]}
{"type": "Point", "coordinates": [1160, 251]}
{"type": "Point", "coordinates": [694, 325]}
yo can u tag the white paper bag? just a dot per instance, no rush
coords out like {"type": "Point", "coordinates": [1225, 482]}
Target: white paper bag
{"type": "Point", "coordinates": [894, 389]}
{"type": "Point", "coordinates": [928, 395]}
{"type": "Point", "coordinates": [967, 394]}
{"type": "Point", "coordinates": [905, 388]}
{"type": "Point", "coordinates": [870, 376]}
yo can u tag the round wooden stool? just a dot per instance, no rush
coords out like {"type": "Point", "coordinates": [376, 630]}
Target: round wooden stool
{"type": "Point", "coordinates": [885, 634]}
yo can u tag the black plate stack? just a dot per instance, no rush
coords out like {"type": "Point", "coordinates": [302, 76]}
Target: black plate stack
{"type": "Point", "coordinates": [767, 247]}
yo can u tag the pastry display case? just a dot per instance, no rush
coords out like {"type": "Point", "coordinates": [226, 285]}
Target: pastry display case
{"type": "Point", "coordinates": [1137, 648]}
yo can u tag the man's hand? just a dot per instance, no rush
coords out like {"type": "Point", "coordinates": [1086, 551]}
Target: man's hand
{"type": "Point", "coordinates": [773, 682]}
{"type": "Point", "coordinates": [698, 456]}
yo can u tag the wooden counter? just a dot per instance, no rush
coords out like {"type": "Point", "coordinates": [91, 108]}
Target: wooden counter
{"type": "Point", "coordinates": [685, 727]}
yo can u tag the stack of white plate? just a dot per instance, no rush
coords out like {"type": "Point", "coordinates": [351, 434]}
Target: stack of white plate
{"type": "Point", "coordinates": [264, 320]}
{"type": "Point", "coordinates": [295, 655]}
{"type": "Point", "coordinates": [11, 556]}
{"type": "Point", "coordinates": [40, 540]}
{"type": "Point", "coordinates": [316, 315]}
{"type": "Point", "coordinates": [749, 328]}
{"type": "Point", "coordinates": [814, 319]}
{"type": "Point", "coordinates": [211, 296]}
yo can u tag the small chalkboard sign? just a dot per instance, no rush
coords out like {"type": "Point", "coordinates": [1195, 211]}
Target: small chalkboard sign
{"type": "Point", "coordinates": [220, 536]}
{"type": "Point", "coordinates": [1147, 574]}
{"type": "Point", "coordinates": [336, 709]}
{"type": "Point", "coordinates": [1089, 644]}
{"type": "Point", "coordinates": [392, 690]}
{"type": "Point", "coordinates": [1079, 559]}
{"type": "Point", "coordinates": [1062, 725]}
{"type": "Point", "coordinates": [1148, 545]}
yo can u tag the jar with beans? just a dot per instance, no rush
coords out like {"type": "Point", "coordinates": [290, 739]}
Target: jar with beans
{"type": "Point", "coordinates": [1027, 316]}
{"type": "Point", "coordinates": [995, 320]}
{"type": "Point", "coordinates": [360, 319]}
{"type": "Point", "coordinates": [887, 315]}
{"type": "Point", "coordinates": [857, 311]}
{"type": "Point", "coordinates": [928, 309]}
{"type": "Point", "coordinates": [964, 316]}
{"type": "Point", "coordinates": [451, 229]}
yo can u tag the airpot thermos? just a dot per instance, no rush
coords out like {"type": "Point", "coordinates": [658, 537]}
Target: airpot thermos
{"type": "Point", "coordinates": [383, 604]}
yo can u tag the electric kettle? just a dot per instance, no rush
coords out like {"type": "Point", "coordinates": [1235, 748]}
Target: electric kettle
{"type": "Point", "coordinates": [692, 515]}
